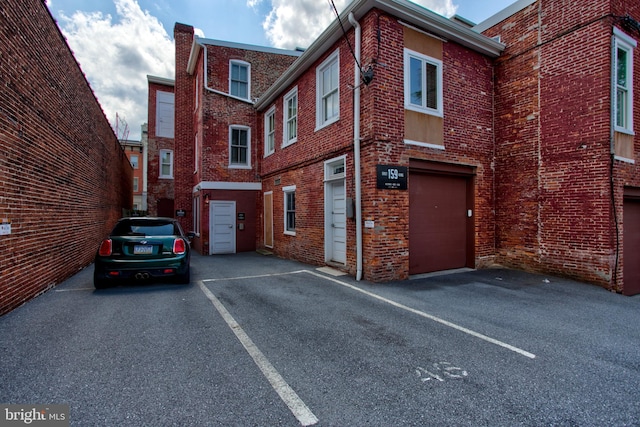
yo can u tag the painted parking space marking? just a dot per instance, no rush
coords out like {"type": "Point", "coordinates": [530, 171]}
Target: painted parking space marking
{"type": "Point", "coordinates": [286, 393]}
{"type": "Point", "coordinates": [428, 316]}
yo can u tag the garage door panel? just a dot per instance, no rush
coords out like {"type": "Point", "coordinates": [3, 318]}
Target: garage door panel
{"type": "Point", "coordinates": [631, 247]}
{"type": "Point", "coordinates": [437, 223]}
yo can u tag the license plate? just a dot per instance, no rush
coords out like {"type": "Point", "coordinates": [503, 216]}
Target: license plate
{"type": "Point", "coordinates": [142, 250]}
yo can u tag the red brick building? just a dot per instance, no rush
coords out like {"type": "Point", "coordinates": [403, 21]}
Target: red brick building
{"type": "Point", "coordinates": [160, 147]}
{"type": "Point", "coordinates": [64, 179]}
{"type": "Point", "coordinates": [412, 143]}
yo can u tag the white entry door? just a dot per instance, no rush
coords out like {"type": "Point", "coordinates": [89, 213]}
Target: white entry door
{"type": "Point", "coordinates": [222, 227]}
{"type": "Point", "coordinates": [338, 234]}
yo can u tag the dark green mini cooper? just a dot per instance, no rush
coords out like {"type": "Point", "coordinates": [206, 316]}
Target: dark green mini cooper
{"type": "Point", "coordinates": [143, 249]}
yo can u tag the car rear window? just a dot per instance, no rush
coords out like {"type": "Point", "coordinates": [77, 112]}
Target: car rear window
{"type": "Point", "coordinates": [145, 228]}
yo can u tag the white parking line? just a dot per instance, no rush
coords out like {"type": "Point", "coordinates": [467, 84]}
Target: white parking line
{"type": "Point", "coordinates": [429, 316]}
{"type": "Point", "coordinates": [286, 393]}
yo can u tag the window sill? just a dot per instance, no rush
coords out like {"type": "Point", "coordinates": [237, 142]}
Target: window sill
{"type": "Point", "coordinates": [286, 144]}
{"type": "Point", "coordinates": [290, 233]}
{"type": "Point", "coordinates": [625, 131]}
{"type": "Point", "coordinates": [625, 160]}
{"type": "Point", "coordinates": [424, 144]}
{"type": "Point", "coordinates": [421, 110]}
{"type": "Point", "coordinates": [239, 166]}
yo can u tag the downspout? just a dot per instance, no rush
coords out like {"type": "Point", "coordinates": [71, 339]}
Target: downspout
{"type": "Point", "coordinates": [356, 146]}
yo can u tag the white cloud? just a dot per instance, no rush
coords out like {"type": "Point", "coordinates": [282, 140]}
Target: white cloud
{"type": "Point", "coordinates": [297, 23]}
{"type": "Point", "coordinates": [117, 55]}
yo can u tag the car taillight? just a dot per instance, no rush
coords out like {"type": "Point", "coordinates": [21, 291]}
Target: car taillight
{"type": "Point", "coordinates": [179, 247]}
{"type": "Point", "coordinates": [105, 248]}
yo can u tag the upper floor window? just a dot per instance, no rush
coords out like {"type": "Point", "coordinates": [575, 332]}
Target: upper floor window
{"type": "Point", "coordinates": [239, 146]}
{"type": "Point", "coordinates": [134, 161]}
{"type": "Point", "coordinates": [136, 184]}
{"type": "Point", "coordinates": [327, 90]}
{"type": "Point", "coordinates": [623, 76]}
{"type": "Point", "coordinates": [164, 114]}
{"type": "Point", "coordinates": [239, 78]}
{"type": "Point", "coordinates": [422, 83]}
{"type": "Point", "coordinates": [166, 164]}
{"type": "Point", "coordinates": [270, 131]}
{"type": "Point", "coordinates": [290, 118]}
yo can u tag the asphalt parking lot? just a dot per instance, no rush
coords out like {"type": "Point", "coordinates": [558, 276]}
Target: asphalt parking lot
{"type": "Point", "coordinates": [257, 340]}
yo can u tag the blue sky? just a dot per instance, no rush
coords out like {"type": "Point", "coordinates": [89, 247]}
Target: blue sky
{"type": "Point", "coordinates": [119, 42]}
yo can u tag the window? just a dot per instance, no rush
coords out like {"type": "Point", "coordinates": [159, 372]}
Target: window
{"type": "Point", "coordinates": [270, 131]}
{"type": "Point", "coordinates": [290, 210]}
{"type": "Point", "coordinates": [136, 185]}
{"type": "Point", "coordinates": [623, 76]}
{"type": "Point", "coordinates": [290, 118]}
{"type": "Point", "coordinates": [239, 77]}
{"type": "Point", "coordinates": [166, 164]}
{"type": "Point", "coordinates": [164, 114]}
{"type": "Point", "coordinates": [327, 90]}
{"type": "Point", "coordinates": [134, 161]}
{"type": "Point", "coordinates": [422, 83]}
{"type": "Point", "coordinates": [239, 146]}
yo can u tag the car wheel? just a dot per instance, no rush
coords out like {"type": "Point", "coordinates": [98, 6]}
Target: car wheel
{"type": "Point", "coordinates": [185, 279]}
{"type": "Point", "coordinates": [100, 283]}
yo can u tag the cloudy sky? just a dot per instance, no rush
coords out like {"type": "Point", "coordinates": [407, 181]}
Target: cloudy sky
{"type": "Point", "coordinates": [119, 42]}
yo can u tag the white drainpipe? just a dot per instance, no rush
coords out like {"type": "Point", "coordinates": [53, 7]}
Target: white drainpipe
{"type": "Point", "coordinates": [356, 147]}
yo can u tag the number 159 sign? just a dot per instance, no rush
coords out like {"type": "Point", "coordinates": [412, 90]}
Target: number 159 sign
{"type": "Point", "coordinates": [391, 177]}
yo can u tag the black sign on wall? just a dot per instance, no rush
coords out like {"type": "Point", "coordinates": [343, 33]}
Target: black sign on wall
{"type": "Point", "coordinates": [391, 177]}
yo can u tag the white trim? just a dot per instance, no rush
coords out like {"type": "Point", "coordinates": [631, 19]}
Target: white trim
{"type": "Point", "coordinates": [160, 175]}
{"type": "Point", "coordinates": [439, 110]}
{"type": "Point", "coordinates": [286, 141]}
{"type": "Point", "coordinates": [270, 112]}
{"type": "Point", "coordinates": [625, 160]}
{"type": "Point", "coordinates": [334, 58]}
{"type": "Point", "coordinates": [228, 185]}
{"type": "Point", "coordinates": [240, 63]}
{"type": "Point", "coordinates": [502, 15]}
{"type": "Point", "coordinates": [243, 46]}
{"type": "Point", "coordinates": [424, 144]}
{"type": "Point", "coordinates": [285, 190]}
{"type": "Point", "coordinates": [160, 80]}
{"type": "Point", "coordinates": [623, 42]}
{"type": "Point", "coordinates": [246, 165]}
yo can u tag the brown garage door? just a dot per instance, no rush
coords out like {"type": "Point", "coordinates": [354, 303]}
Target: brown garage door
{"type": "Point", "coordinates": [438, 233]}
{"type": "Point", "coordinates": [631, 247]}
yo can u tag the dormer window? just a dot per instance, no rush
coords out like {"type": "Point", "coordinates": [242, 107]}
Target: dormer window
{"type": "Point", "coordinates": [239, 79]}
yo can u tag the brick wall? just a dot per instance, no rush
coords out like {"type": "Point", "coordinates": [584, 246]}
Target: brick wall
{"type": "Point", "coordinates": [554, 205]}
{"type": "Point", "coordinates": [468, 140]}
{"type": "Point", "coordinates": [158, 189]}
{"type": "Point", "coordinates": [63, 177]}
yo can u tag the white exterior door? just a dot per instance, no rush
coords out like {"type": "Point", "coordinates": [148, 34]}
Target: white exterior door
{"type": "Point", "coordinates": [222, 227]}
{"type": "Point", "coordinates": [338, 234]}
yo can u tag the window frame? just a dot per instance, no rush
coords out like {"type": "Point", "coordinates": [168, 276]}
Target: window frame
{"type": "Point", "coordinates": [239, 63]}
{"type": "Point", "coordinates": [269, 133]}
{"type": "Point", "coordinates": [165, 129]}
{"type": "Point", "coordinates": [622, 41]}
{"type": "Point", "coordinates": [423, 107]}
{"type": "Point", "coordinates": [134, 164]}
{"type": "Point", "coordinates": [291, 189]}
{"type": "Point", "coordinates": [327, 64]}
{"type": "Point", "coordinates": [241, 128]}
{"type": "Point", "coordinates": [161, 163]}
{"type": "Point", "coordinates": [286, 137]}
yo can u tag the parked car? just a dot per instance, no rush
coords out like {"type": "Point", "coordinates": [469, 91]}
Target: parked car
{"type": "Point", "coordinates": [143, 249]}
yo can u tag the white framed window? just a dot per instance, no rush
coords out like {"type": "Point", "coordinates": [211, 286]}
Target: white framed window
{"type": "Point", "coordinates": [136, 185]}
{"type": "Point", "coordinates": [166, 164]}
{"type": "Point", "coordinates": [239, 146]}
{"type": "Point", "coordinates": [623, 47]}
{"type": "Point", "coordinates": [290, 210]}
{"type": "Point", "coordinates": [270, 131]}
{"type": "Point", "coordinates": [240, 79]}
{"type": "Point", "coordinates": [422, 83]}
{"type": "Point", "coordinates": [290, 114]}
{"type": "Point", "coordinates": [134, 161]}
{"type": "Point", "coordinates": [328, 90]}
{"type": "Point", "coordinates": [164, 114]}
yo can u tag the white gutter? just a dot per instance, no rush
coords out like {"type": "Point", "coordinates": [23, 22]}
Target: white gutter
{"type": "Point", "coordinates": [356, 146]}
